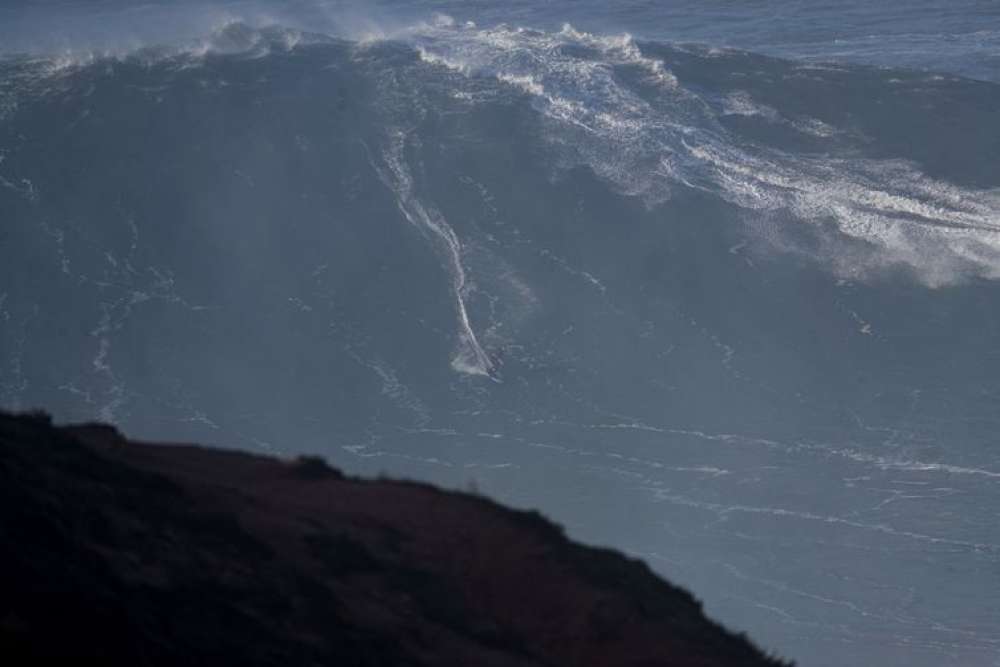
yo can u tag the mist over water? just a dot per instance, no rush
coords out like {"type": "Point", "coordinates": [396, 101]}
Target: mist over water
{"type": "Point", "coordinates": [713, 285]}
{"type": "Point", "coordinates": [957, 37]}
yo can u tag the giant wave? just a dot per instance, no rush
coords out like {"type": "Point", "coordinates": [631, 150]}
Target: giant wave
{"type": "Point", "coordinates": [746, 302]}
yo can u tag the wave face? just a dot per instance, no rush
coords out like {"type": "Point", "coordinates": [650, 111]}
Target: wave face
{"type": "Point", "coordinates": [749, 303]}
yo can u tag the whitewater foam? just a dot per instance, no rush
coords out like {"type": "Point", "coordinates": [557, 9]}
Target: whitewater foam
{"type": "Point", "coordinates": [607, 105]}
{"type": "Point", "coordinates": [740, 103]}
{"type": "Point", "coordinates": [648, 142]}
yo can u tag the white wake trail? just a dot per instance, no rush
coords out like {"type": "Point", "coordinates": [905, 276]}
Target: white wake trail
{"type": "Point", "coordinates": [469, 358]}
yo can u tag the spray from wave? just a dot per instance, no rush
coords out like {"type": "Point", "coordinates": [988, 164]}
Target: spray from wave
{"type": "Point", "coordinates": [694, 286]}
{"type": "Point", "coordinates": [625, 116]}
{"type": "Point", "coordinates": [607, 104]}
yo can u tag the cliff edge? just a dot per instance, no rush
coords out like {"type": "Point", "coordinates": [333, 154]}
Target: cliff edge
{"type": "Point", "coordinates": [116, 552]}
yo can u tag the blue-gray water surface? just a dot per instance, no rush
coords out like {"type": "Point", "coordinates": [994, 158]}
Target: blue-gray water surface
{"type": "Point", "coordinates": [713, 283]}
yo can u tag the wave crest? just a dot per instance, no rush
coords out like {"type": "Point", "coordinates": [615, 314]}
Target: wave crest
{"type": "Point", "coordinates": [623, 114]}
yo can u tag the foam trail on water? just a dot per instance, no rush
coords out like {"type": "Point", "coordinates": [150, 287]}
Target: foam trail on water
{"type": "Point", "coordinates": [470, 357]}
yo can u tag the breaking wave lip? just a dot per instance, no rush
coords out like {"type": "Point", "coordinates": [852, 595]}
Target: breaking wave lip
{"type": "Point", "coordinates": [648, 142]}
{"type": "Point", "coordinates": [651, 136]}
{"type": "Point", "coordinates": [231, 37]}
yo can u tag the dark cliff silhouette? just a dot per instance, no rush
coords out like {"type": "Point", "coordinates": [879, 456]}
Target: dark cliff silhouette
{"type": "Point", "coordinates": [114, 552]}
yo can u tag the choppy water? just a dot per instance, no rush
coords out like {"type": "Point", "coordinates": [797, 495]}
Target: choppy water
{"type": "Point", "coordinates": [716, 286]}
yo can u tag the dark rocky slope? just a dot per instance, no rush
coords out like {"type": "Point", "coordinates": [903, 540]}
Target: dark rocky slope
{"type": "Point", "coordinates": [119, 553]}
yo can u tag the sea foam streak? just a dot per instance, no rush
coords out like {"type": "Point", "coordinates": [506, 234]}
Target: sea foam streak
{"type": "Point", "coordinates": [469, 357]}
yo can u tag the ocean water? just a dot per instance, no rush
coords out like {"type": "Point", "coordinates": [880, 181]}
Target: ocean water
{"type": "Point", "coordinates": [713, 283]}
